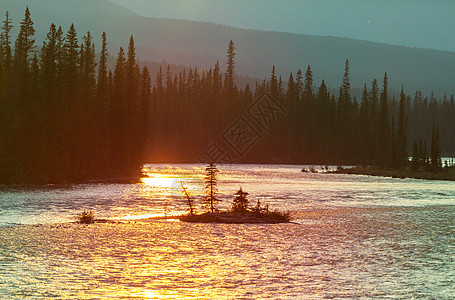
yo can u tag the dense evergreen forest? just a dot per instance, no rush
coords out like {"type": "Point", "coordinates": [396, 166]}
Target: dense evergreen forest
{"type": "Point", "coordinates": [65, 117]}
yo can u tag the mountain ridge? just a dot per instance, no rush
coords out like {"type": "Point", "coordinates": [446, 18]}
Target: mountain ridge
{"type": "Point", "coordinates": [421, 24]}
{"type": "Point", "coordinates": [198, 43]}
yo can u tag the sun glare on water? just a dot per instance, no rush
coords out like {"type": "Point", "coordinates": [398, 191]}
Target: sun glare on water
{"type": "Point", "coordinates": [160, 181]}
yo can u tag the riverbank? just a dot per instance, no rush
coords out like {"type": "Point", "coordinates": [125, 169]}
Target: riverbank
{"type": "Point", "coordinates": [447, 174]}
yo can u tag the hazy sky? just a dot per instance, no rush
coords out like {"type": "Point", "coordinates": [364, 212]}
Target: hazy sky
{"type": "Point", "coordinates": [415, 23]}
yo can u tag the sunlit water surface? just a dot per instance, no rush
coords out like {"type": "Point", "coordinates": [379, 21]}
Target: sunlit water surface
{"type": "Point", "coordinates": [353, 237]}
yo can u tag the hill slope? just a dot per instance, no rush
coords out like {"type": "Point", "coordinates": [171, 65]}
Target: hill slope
{"type": "Point", "coordinates": [202, 44]}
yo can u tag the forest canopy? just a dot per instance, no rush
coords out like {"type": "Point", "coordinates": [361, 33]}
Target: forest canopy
{"type": "Point", "coordinates": [65, 116]}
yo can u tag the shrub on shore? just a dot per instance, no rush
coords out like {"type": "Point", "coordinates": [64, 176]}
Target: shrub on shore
{"type": "Point", "coordinates": [278, 215]}
{"type": "Point", "coordinates": [86, 217]}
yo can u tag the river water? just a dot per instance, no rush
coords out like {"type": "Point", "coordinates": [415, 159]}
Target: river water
{"type": "Point", "coordinates": [352, 237]}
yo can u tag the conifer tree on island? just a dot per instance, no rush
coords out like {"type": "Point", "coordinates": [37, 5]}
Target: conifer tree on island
{"type": "Point", "coordinates": [240, 201]}
{"type": "Point", "coordinates": [211, 188]}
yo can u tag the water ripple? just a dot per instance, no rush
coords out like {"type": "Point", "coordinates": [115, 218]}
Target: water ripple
{"type": "Point", "coordinates": [355, 237]}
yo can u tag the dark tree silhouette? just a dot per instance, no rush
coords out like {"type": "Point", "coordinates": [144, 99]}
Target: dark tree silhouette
{"type": "Point", "coordinates": [102, 68]}
{"type": "Point", "coordinates": [415, 162]}
{"type": "Point", "coordinates": [240, 201]}
{"type": "Point", "coordinates": [402, 153]}
{"type": "Point", "coordinates": [308, 90]}
{"type": "Point", "coordinates": [64, 118]}
{"type": "Point", "coordinates": [211, 186]}
{"type": "Point", "coordinates": [230, 71]}
{"type": "Point", "coordinates": [435, 149]}
{"type": "Point", "coordinates": [384, 132]}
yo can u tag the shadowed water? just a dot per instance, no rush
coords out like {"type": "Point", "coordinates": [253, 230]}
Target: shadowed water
{"type": "Point", "coordinates": [355, 237]}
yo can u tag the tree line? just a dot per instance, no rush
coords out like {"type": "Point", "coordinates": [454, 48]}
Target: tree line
{"type": "Point", "coordinates": [319, 128]}
{"type": "Point", "coordinates": [65, 117]}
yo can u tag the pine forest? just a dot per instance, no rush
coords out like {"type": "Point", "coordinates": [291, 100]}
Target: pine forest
{"type": "Point", "coordinates": [65, 116]}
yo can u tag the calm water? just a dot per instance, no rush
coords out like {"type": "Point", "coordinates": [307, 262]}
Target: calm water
{"type": "Point", "coordinates": [355, 237]}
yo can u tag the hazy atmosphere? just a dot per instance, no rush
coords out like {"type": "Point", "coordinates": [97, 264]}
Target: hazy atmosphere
{"type": "Point", "coordinates": [251, 149]}
{"type": "Point", "coordinates": [413, 23]}
{"type": "Point", "coordinates": [316, 36]}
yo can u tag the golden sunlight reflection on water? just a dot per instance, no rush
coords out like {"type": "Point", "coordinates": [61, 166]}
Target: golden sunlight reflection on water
{"type": "Point", "coordinates": [356, 237]}
{"type": "Point", "coordinates": [337, 253]}
{"type": "Point", "coordinates": [160, 181]}
{"type": "Point", "coordinates": [174, 179]}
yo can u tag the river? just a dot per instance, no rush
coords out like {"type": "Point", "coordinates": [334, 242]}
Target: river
{"type": "Point", "coordinates": [352, 237]}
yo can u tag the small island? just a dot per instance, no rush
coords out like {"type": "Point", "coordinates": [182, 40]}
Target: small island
{"type": "Point", "coordinates": [240, 212]}
{"type": "Point", "coordinates": [237, 218]}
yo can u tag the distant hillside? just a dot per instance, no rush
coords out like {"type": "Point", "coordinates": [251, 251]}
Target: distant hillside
{"type": "Point", "coordinates": [421, 24]}
{"type": "Point", "coordinates": [58, 8]}
{"type": "Point", "coordinates": [202, 44]}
